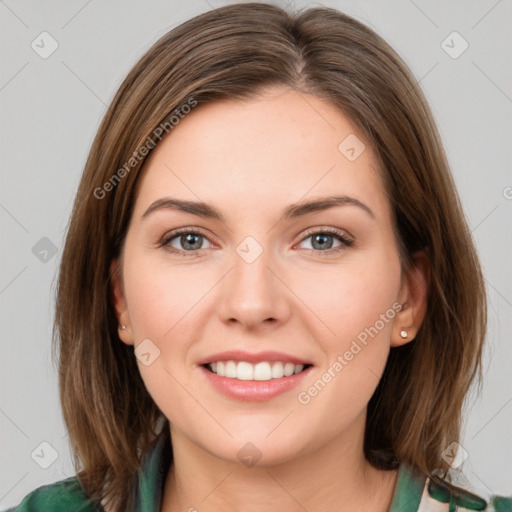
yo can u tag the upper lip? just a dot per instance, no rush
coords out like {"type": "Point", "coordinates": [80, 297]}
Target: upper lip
{"type": "Point", "coordinates": [256, 357]}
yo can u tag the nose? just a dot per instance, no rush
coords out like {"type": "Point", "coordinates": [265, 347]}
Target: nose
{"type": "Point", "coordinates": [254, 293]}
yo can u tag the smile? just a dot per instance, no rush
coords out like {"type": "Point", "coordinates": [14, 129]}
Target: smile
{"type": "Point", "coordinates": [258, 382]}
{"type": "Point", "coordinates": [265, 370]}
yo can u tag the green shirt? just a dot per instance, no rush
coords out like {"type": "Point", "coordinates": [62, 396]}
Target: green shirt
{"type": "Point", "coordinates": [412, 493]}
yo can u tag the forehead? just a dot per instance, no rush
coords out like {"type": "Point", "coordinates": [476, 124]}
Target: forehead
{"type": "Point", "coordinates": [277, 148]}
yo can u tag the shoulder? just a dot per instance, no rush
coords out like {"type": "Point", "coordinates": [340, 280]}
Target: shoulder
{"type": "Point", "coordinates": [63, 495]}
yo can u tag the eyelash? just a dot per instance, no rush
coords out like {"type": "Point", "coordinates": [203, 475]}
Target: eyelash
{"type": "Point", "coordinates": [345, 242]}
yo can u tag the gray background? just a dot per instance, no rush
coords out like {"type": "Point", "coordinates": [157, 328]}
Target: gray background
{"type": "Point", "coordinates": [51, 109]}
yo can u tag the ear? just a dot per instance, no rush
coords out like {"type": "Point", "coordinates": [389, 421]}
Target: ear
{"type": "Point", "coordinates": [119, 302]}
{"type": "Point", "coordinates": [413, 297]}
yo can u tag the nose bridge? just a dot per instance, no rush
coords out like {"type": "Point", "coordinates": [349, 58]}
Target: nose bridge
{"type": "Point", "coordinates": [251, 262]}
{"type": "Point", "coordinates": [252, 293]}
{"type": "Point", "coordinates": [251, 277]}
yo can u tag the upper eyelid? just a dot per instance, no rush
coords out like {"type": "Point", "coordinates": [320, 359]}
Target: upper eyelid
{"type": "Point", "coordinates": [329, 230]}
{"type": "Point", "coordinates": [184, 230]}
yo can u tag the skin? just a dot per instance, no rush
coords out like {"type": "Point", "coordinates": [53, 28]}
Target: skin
{"type": "Point", "coordinates": [250, 160]}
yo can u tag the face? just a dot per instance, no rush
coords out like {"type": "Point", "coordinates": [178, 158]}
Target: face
{"type": "Point", "coordinates": [319, 285]}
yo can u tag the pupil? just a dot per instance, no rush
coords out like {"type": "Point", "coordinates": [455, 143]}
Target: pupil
{"type": "Point", "coordinates": [321, 238]}
{"type": "Point", "coordinates": [189, 241]}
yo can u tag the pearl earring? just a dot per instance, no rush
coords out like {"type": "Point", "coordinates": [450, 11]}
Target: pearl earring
{"type": "Point", "coordinates": [404, 334]}
{"type": "Point", "coordinates": [123, 327]}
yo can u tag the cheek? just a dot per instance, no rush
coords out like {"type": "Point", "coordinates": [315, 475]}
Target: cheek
{"type": "Point", "coordinates": [352, 299]}
{"type": "Point", "coordinates": [355, 305]}
{"type": "Point", "coordinates": [161, 297]}
{"type": "Point", "coordinates": [161, 301]}
{"type": "Point", "coordinates": [167, 305]}
{"type": "Point", "coordinates": [357, 317]}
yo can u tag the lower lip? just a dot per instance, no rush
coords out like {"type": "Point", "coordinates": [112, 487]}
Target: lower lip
{"type": "Point", "coordinates": [254, 390]}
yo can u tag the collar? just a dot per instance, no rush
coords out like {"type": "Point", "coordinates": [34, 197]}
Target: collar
{"type": "Point", "coordinates": [409, 488]}
{"type": "Point", "coordinates": [153, 472]}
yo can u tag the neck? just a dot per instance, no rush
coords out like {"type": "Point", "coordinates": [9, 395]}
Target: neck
{"type": "Point", "coordinates": [332, 477]}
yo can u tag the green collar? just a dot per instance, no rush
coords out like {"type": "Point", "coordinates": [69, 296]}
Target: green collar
{"type": "Point", "coordinates": [408, 490]}
{"type": "Point", "coordinates": [152, 474]}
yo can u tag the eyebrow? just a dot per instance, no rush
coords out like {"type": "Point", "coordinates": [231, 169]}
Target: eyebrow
{"type": "Point", "coordinates": [205, 210]}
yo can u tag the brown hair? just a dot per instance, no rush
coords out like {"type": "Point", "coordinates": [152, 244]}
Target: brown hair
{"type": "Point", "coordinates": [233, 52]}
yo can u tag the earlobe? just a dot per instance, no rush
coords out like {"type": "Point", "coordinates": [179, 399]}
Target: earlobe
{"type": "Point", "coordinates": [119, 303]}
{"type": "Point", "coordinates": [413, 297]}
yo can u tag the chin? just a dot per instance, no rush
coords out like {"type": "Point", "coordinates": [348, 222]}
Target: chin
{"type": "Point", "coordinates": [257, 450]}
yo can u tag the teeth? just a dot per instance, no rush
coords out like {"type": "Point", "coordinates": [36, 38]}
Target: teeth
{"type": "Point", "coordinates": [244, 371]}
{"type": "Point", "coordinates": [260, 371]}
{"type": "Point", "coordinates": [230, 370]}
{"type": "Point", "coordinates": [277, 370]}
{"type": "Point", "coordinates": [289, 368]}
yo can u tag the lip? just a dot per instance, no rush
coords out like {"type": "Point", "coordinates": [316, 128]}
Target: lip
{"type": "Point", "coordinates": [253, 358]}
{"type": "Point", "coordinates": [254, 390]}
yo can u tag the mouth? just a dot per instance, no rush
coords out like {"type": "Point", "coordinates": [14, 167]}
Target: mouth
{"type": "Point", "coordinates": [260, 382]}
{"type": "Point", "coordinates": [254, 376]}
{"type": "Point", "coordinates": [262, 371]}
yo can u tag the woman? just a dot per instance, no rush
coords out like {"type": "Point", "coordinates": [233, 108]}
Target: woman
{"type": "Point", "coordinates": [268, 223]}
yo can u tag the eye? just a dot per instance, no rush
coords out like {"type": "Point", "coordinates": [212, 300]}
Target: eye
{"type": "Point", "coordinates": [189, 240]}
{"type": "Point", "coordinates": [322, 241]}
